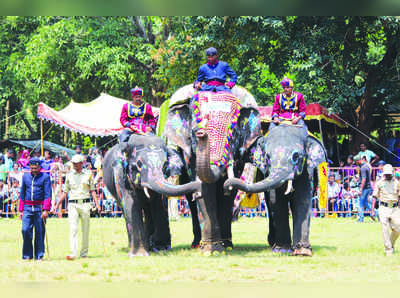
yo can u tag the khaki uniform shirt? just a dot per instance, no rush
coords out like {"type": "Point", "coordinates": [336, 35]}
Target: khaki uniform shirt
{"type": "Point", "coordinates": [387, 190]}
{"type": "Point", "coordinates": [79, 185]}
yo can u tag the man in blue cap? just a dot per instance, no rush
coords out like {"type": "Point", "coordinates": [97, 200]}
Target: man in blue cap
{"type": "Point", "coordinates": [213, 74]}
{"type": "Point", "coordinates": [34, 207]}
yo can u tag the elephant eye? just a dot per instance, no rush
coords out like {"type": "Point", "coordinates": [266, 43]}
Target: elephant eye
{"type": "Point", "coordinates": [295, 157]}
{"type": "Point", "coordinates": [139, 164]}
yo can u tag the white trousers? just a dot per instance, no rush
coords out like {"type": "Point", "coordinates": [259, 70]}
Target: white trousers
{"type": "Point", "coordinates": [173, 210]}
{"type": "Point", "coordinates": [76, 211]}
{"type": "Point", "coordinates": [390, 220]}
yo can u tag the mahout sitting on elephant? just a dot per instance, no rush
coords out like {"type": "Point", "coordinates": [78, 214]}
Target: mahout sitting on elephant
{"type": "Point", "coordinates": [288, 160]}
{"type": "Point", "coordinates": [135, 173]}
{"type": "Point", "coordinates": [211, 131]}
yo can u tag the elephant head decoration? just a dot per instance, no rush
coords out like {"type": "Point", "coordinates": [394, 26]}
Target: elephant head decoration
{"type": "Point", "coordinates": [288, 159]}
{"type": "Point", "coordinates": [135, 174]}
{"type": "Point", "coordinates": [212, 131]}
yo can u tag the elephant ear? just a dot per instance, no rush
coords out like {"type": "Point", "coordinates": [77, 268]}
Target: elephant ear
{"type": "Point", "coordinates": [247, 131]}
{"type": "Point", "coordinates": [178, 128]}
{"type": "Point", "coordinates": [316, 154]}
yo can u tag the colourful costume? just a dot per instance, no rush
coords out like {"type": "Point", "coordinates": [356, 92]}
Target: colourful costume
{"type": "Point", "coordinates": [140, 117]}
{"type": "Point", "coordinates": [23, 161]}
{"type": "Point", "coordinates": [214, 76]}
{"type": "Point", "coordinates": [289, 107]}
{"type": "Point", "coordinates": [35, 197]}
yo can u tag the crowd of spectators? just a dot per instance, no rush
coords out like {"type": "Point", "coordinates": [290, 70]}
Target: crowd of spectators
{"type": "Point", "coordinates": [386, 147]}
{"type": "Point", "coordinates": [343, 185]}
{"type": "Point", "coordinates": [13, 165]}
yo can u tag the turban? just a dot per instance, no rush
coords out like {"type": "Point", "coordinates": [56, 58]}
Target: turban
{"type": "Point", "coordinates": [137, 91]}
{"type": "Point", "coordinates": [286, 83]}
{"type": "Point", "coordinates": [35, 161]}
{"type": "Point", "coordinates": [211, 51]}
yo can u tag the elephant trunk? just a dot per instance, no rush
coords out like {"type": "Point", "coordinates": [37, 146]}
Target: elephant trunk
{"type": "Point", "coordinates": [163, 187]}
{"type": "Point", "coordinates": [271, 182]}
{"type": "Point", "coordinates": [206, 173]}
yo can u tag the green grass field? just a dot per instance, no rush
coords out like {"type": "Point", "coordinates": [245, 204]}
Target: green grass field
{"type": "Point", "coordinates": [344, 251]}
{"type": "Point", "coordinates": [348, 260]}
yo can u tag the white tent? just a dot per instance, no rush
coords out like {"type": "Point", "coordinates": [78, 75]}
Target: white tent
{"type": "Point", "coordinates": [99, 117]}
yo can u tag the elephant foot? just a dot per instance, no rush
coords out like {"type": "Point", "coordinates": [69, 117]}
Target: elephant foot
{"type": "Point", "coordinates": [282, 249]}
{"type": "Point", "coordinates": [209, 248]}
{"type": "Point", "coordinates": [303, 251]}
{"type": "Point", "coordinates": [227, 244]}
{"type": "Point", "coordinates": [140, 252]}
{"type": "Point", "coordinates": [159, 246]}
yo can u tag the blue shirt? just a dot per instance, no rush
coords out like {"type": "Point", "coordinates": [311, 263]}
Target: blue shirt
{"type": "Point", "coordinates": [35, 192]}
{"type": "Point", "coordinates": [216, 72]}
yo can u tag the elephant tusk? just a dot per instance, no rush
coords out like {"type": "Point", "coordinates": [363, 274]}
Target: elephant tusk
{"type": "Point", "coordinates": [230, 172]}
{"type": "Point", "coordinates": [146, 191]}
{"type": "Point", "coordinates": [196, 196]}
{"type": "Point", "coordinates": [289, 187]}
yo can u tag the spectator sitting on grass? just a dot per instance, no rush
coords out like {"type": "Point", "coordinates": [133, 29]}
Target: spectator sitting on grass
{"type": "Point", "coordinates": [3, 197]}
{"type": "Point", "coordinates": [333, 193]}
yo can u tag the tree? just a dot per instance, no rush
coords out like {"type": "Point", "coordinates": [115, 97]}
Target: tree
{"type": "Point", "coordinates": [348, 64]}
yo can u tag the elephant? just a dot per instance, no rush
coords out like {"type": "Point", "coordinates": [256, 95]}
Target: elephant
{"type": "Point", "coordinates": [212, 131]}
{"type": "Point", "coordinates": [135, 173]}
{"type": "Point", "coordinates": [288, 159]}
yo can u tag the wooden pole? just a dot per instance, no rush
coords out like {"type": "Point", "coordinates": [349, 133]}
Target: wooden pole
{"type": "Point", "coordinates": [320, 131]}
{"type": "Point", "coordinates": [7, 121]}
{"type": "Point", "coordinates": [41, 136]}
{"type": "Point", "coordinates": [65, 136]}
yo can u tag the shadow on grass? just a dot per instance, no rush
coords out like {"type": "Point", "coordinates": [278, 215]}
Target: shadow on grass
{"type": "Point", "coordinates": [317, 248]}
{"type": "Point", "coordinates": [242, 249]}
{"type": "Point", "coordinates": [124, 249]}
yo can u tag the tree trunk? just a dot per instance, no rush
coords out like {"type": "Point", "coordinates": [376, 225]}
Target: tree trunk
{"type": "Point", "coordinates": [33, 133]}
{"type": "Point", "coordinates": [364, 121]}
{"type": "Point", "coordinates": [369, 102]}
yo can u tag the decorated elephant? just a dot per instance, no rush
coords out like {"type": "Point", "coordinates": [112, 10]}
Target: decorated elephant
{"type": "Point", "coordinates": [212, 130]}
{"type": "Point", "coordinates": [135, 173]}
{"type": "Point", "coordinates": [289, 160]}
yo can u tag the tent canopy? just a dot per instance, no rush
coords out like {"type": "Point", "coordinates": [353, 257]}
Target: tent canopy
{"type": "Point", "coordinates": [33, 144]}
{"type": "Point", "coordinates": [99, 117]}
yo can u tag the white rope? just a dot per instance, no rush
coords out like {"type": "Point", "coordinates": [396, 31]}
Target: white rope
{"type": "Point", "coordinates": [9, 117]}
{"type": "Point", "coordinates": [368, 137]}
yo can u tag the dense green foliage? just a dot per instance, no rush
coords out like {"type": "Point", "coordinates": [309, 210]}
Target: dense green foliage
{"type": "Point", "coordinates": [348, 64]}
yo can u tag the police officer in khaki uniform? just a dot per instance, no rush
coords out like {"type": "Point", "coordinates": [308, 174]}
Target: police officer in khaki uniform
{"type": "Point", "coordinates": [79, 185]}
{"type": "Point", "coordinates": [387, 190]}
